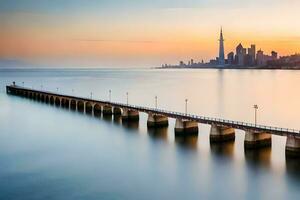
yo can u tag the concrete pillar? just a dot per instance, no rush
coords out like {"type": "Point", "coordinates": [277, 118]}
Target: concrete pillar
{"type": "Point", "coordinates": [80, 106]}
{"type": "Point", "coordinates": [97, 110]}
{"type": "Point", "coordinates": [88, 108]}
{"type": "Point", "coordinates": [221, 133]}
{"type": "Point", "coordinates": [130, 115]}
{"type": "Point", "coordinates": [186, 127]}
{"type": "Point", "coordinates": [292, 148]}
{"type": "Point", "coordinates": [73, 104]}
{"type": "Point", "coordinates": [117, 111]}
{"type": "Point", "coordinates": [107, 110]}
{"type": "Point", "coordinates": [57, 101]}
{"type": "Point", "coordinates": [157, 120]}
{"type": "Point", "coordinates": [257, 140]}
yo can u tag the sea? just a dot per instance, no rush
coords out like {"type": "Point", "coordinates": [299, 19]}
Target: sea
{"type": "Point", "coordinates": [48, 152]}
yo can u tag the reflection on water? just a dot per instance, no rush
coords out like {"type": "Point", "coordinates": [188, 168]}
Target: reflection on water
{"type": "Point", "coordinates": [188, 141]}
{"type": "Point", "coordinates": [117, 119]}
{"type": "Point", "coordinates": [131, 125]}
{"type": "Point", "coordinates": [258, 157]}
{"type": "Point", "coordinates": [107, 118]}
{"type": "Point", "coordinates": [293, 168]}
{"type": "Point", "coordinates": [64, 160]}
{"type": "Point", "coordinates": [96, 114]}
{"type": "Point", "coordinates": [222, 149]}
{"type": "Point", "coordinates": [158, 133]}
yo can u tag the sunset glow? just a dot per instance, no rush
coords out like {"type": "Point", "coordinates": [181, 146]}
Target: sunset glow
{"type": "Point", "coordinates": [125, 33]}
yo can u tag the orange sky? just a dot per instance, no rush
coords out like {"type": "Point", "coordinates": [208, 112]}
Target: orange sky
{"type": "Point", "coordinates": [145, 37]}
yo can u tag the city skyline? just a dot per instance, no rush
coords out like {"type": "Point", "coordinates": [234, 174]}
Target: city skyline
{"type": "Point", "coordinates": [122, 33]}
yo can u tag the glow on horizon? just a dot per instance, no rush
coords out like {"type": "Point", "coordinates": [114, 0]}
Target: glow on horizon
{"type": "Point", "coordinates": [141, 34]}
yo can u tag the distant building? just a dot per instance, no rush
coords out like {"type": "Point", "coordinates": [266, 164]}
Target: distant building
{"type": "Point", "coordinates": [260, 58]}
{"type": "Point", "coordinates": [251, 53]}
{"type": "Point", "coordinates": [240, 54]}
{"type": "Point", "coordinates": [230, 58]}
{"type": "Point", "coordinates": [221, 49]}
{"type": "Point", "coordinates": [181, 64]}
{"type": "Point", "coordinates": [274, 55]}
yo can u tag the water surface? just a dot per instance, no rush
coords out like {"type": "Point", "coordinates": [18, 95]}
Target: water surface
{"type": "Point", "coordinates": [53, 153]}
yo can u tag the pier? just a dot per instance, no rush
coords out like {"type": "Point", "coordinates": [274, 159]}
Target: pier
{"type": "Point", "coordinates": [222, 130]}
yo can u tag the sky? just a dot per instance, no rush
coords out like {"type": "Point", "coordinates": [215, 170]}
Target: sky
{"type": "Point", "coordinates": [141, 33]}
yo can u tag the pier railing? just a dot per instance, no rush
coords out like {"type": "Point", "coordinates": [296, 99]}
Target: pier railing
{"type": "Point", "coordinates": [178, 115]}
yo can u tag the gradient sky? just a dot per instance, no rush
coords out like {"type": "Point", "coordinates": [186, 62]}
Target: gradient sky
{"type": "Point", "coordinates": [142, 33]}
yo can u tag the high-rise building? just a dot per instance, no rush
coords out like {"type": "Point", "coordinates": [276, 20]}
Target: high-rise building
{"type": "Point", "coordinates": [240, 54]}
{"type": "Point", "coordinates": [274, 55]}
{"type": "Point", "coordinates": [221, 49]}
{"type": "Point", "coordinates": [230, 58]}
{"type": "Point", "coordinates": [260, 58]}
{"type": "Point", "coordinates": [251, 53]}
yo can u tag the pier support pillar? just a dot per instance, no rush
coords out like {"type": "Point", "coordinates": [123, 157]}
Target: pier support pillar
{"type": "Point", "coordinates": [117, 111]}
{"type": "Point", "coordinates": [186, 127]}
{"type": "Point", "coordinates": [292, 148]}
{"type": "Point", "coordinates": [107, 110]}
{"type": "Point", "coordinates": [257, 140]}
{"type": "Point", "coordinates": [130, 115]}
{"type": "Point", "coordinates": [157, 120]}
{"type": "Point", "coordinates": [97, 110]}
{"type": "Point", "coordinates": [221, 133]}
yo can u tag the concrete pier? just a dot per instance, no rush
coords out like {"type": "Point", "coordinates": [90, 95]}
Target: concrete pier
{"type": "Point", "coordinates": [186, 127]}
{"type": "Point", "coordinates": [186, 124]}
{"type": "Point", "coordinates": [107, 110]}
{"type": "Point", "coordinates": [257, 140]}
{"type": "Point", "coordinates": [117, 111]}
{"type": "Point", "coordinates": [221, 133]}
{"type": "Point", "coordinates": [97, 110]}
{"type": "Point", "coordinates": [292, 148]}
{"type": "Point", "coordinates": [130, 115]}
{"type": "Point", "coordinates": [57, 101]}
{"type": "Point", "coordinates": [73, 105]}
{"type": "Point", "coordinates": [88, 108]}
{"type": "Point", "coordinates": [157, 120]}
{"type": "Point", "coordinates": [80, 106]}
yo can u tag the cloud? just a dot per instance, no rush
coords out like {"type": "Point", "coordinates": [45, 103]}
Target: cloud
{"type": "Point", "coordinates": [116, 41]}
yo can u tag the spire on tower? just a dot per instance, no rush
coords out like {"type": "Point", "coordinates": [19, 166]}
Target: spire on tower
{"type": "Point", "coordinates": [221, 48]}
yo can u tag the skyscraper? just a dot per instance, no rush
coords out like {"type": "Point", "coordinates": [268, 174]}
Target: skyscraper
{"type": "Point", "coordinates": [221, 49]}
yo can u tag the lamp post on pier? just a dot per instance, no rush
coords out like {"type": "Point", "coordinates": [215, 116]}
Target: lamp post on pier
{"type": "Point", "coordinates": [186, 101]}
{"type": "Point", "coordinates": [127, 98]}
{"type": "Point", "coordinates": [156, 102]}
{"type": "Point", "coordinates": [255, 113]}
{"type": "Point", "coordinates": [109, 96]}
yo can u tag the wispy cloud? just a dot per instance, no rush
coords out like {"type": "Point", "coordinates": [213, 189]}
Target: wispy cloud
{"type": "Point", "coordinates": [115, 41]}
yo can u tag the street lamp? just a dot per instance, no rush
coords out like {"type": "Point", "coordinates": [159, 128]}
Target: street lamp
{"type": "Point", "coordinates": [156, 102]}
{"type": "Point", "coordinates": [57, 89]}
{"type": "Point", "coordinates": [255, 113]}
{"type": "Point", "coordinates": [109, 95]}
{"type": "Point", "coordinates": [91, 95]}
{"type": "Point", "coordinates": [127, 98]}
{"type": "Point", "coordinates": [23, 83]}
{"type": "Point", "coordinates": [186, 101]}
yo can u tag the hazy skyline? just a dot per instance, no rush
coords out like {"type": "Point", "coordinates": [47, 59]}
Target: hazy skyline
{"type": "Point", "coordinates": [142, 33]}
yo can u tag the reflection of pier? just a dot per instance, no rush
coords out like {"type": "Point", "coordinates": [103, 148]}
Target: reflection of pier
{"type": "Point", "coordinates": [222, 149]}
{"type": "Point", "coordinates": [158, 133]}
{"type": "Point", "coordinates": [186, 124]}
{"type": "Point", "coordinates": [258, 156]}
{"type": "Point", "coordinates": [187, 141]}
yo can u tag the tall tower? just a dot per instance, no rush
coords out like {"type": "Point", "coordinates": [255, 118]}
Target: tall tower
{"type": "Point", "coordinates": [221, 49]}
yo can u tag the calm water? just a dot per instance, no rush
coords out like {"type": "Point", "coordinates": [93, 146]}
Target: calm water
{"type": "Point", "coordinates": [53, 153]}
